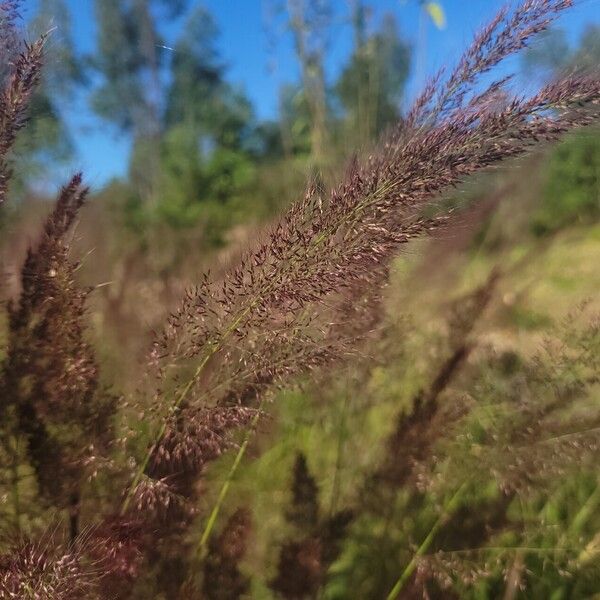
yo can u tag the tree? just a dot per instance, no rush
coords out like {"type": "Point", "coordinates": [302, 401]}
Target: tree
{"type": "Point", "coordinates": [294, 120]}
{"type": "Point", "coordinates": [370, 87]}
{"type": "Point", "coordinates": [120, 98]}
{"type": "Point", "coordinates": [309, 22]}
{"type": "Point", "coordinates": [197, 72]}
{"type": "Point", "coordinates": [207, 127]}
{"type": "Point", "coordinates": [129, 60]}
{"type": "Point", "coordinates": [191, 113]}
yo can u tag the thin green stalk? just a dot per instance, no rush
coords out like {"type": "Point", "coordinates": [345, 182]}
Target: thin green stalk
{"type": "Point", "coordinates": [161, 432]}
{"type": "Point", "coordinates": [449, 508]}
{"type": "Point", "coordinates": [212, 519]}
{"type": "Point", "coordinates": [524, 549]}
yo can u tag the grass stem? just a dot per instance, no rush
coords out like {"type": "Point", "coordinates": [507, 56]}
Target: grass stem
{"type": "Point", "coordinates": [212, 519]}
{"type": "Point", "coordinates": [447, 511]}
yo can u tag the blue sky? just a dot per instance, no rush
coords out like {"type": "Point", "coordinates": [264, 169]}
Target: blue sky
{"type": "Point", "coordinates": [102, 153]}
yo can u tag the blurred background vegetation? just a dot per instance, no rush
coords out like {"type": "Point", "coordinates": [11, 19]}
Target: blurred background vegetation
{"type": "Point", "coordinates": [204, 174]}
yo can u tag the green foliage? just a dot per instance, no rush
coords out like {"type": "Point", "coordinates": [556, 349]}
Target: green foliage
{"type": "Point", "coordinates": [129, 61]}
{"type": "Point", "coordinates": [572, 191]}
{"type": "Point", "coordinates": [228, 174]}
{"type": "Point", "coordinates": [199, 96]}
{"type": "Point", "coordinates": [195, 188]}
{"type": "Point", "coordinates": [370, 88]}
{"type": "Point", "coordinates": [119, 97]}
{"type": "Point", "coordinates": [190, 163]}
{"type": "Point", "coordinates": [182, 178]}
{"type": "Point", "coordinates": [197, 71]}
{"type": "Point", "coordinates": [295, 120]}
